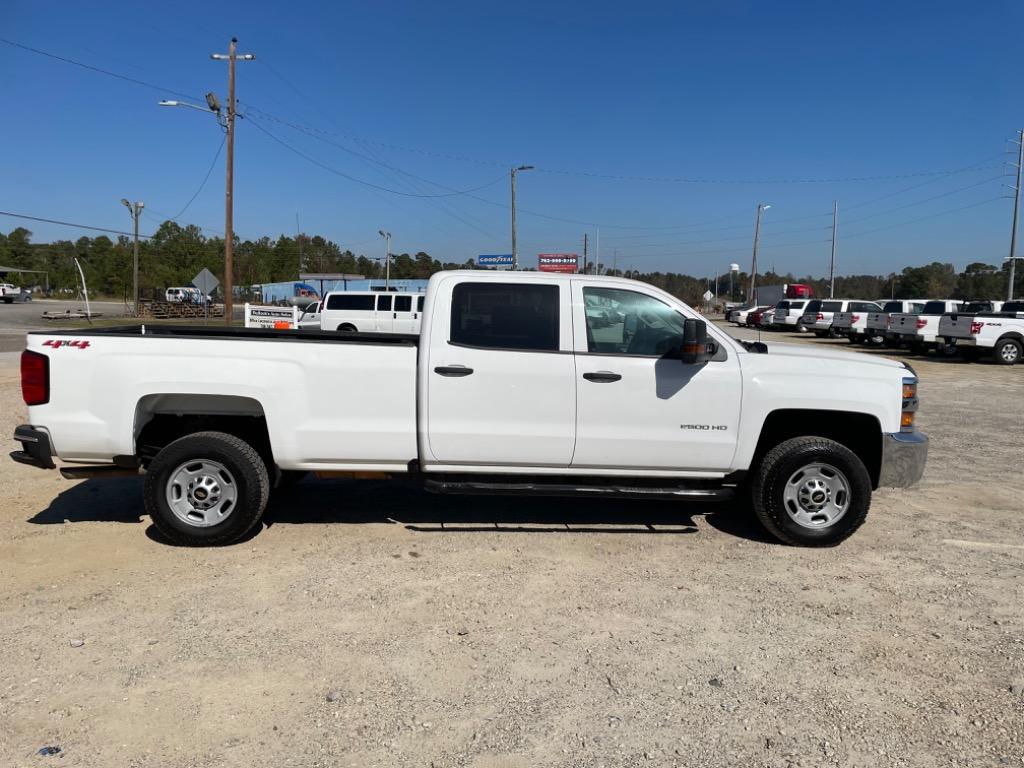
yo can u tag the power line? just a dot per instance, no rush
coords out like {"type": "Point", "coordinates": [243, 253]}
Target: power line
{"type": "Point", "coordinates": [99, 70]}
{"type": "Point", "coordinates": [70, 224]}
{"type": "Point", "coordinates": [370, 184]}
{"type": "Point", "coordinates": [203, 183]}
{"type": "Point", "coordinates": [925, 218]}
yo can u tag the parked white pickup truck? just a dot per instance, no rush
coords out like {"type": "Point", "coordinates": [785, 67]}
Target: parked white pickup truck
{"type": "Point", "coordinates": [853, 322]}
{"type": "Point", "coordinates": [9, 293]}
{"type": "Point", "coordinates": [509, 389]}
{"type": "Point", "coordinates": [921, 332]}
{"type": "Point", "coordinates": [878, 322]}
{"type": "Point", "coordinates": [999, 333]}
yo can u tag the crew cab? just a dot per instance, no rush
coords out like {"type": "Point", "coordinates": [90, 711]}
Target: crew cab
{"type": "Point", "coordinates": [921, 331]}
{"type": "Point", "coordinates": [510, 388]}
{"type": "Point", "coordinates": [788, 314]}
{"type": "Point", "coordinates": [853, 322]}
{"type": "Point", "coordinates": [878, 322]}
{"type": "Point", "coordinates": [999, 333]}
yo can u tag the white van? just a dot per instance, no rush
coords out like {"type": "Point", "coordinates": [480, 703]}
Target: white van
{"type": "Point", "coordinates": [371, 311]}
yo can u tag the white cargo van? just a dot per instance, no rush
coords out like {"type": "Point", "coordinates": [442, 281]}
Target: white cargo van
{"type": "Point", "coordinates": [371, 311]}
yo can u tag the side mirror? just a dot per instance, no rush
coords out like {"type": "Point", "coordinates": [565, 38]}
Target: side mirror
{"type": "Point", "coordinates": [695, 342]}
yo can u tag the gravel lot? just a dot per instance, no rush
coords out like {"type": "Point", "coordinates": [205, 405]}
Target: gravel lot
{"type": "Point", "coordinates": [371, 625]}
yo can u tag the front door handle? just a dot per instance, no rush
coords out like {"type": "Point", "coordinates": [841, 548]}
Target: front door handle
{"type": "Point", "coordinates": [602, 377]}
{"type": "Point", "coordinates": [453, 370]}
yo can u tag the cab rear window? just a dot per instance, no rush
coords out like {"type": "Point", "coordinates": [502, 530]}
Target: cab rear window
{"type": "Point", "coordinates": [831, 306]}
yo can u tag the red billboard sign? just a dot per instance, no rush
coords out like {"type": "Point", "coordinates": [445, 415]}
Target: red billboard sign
{"type": "Point", "coordinates": [558, 262]}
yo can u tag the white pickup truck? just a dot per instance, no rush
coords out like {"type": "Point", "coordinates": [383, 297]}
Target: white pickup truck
{"type": "Point", "coordinates": [921, 332]}
{"type": "Point", "coordinates": [999, 333]}
{"type": "Point", "coordinates": [878, 322]}
{"type": "Point", "coordinates": [853, 322]}
{"type": "Point", "coordinates": [510, 388]}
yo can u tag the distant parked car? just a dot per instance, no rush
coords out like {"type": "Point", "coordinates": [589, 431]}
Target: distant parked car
{"type": "Point", "coordinates": [9, 293]}
{"type": "Point", "coordinates": [309, 316]}
{"type": "Point", "coordinates": [754, 316]}
{"type": "Point", "coordinates": [853, 322]}
{"type": "Point", "coordinates": [818, 315]}
{"type": "Point", "coordinates": [878, 322]}
{"type": "Point", "coordinates": [789, 315]}
{"type": "Point", "coordinates": [921, 332]}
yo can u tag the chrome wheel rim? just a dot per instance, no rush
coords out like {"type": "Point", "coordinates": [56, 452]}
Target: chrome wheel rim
{"type": "Point", "coordinates": [1009, 352]}
{"type": "Point", "coordinates": [202, 492]}
{"type": "Point", "coordinates": [816, 496]}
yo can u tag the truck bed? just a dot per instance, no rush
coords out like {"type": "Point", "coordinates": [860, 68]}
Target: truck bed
{"type": "Point", "coordinates": [309, 388]}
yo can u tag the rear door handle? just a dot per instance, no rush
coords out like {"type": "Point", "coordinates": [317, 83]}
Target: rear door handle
{"type": "Point", "coordinates": [602, 377]}
{"type": "Point", "coordinates": [453, 370]}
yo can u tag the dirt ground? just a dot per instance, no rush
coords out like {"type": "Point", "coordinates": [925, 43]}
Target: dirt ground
{"type": "Point", "coordinates": [373, 625]}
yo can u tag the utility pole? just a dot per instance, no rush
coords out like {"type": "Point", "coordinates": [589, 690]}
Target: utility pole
{"type": "Point", "coordinates": [229, 236]}
{"type": "Point", "coordinates": [515, 252]}
{"type": "Point", "coordinates": [584, 253]}
{"type": "Point", "coordinates": [1016, 213]}
{"type": "Point", "coordinates": [832, 264]}
{"type": "Point", "coordinates": [615, 259]}
{"type": "Point", "coordinates": [387, 258]}
{"type": "Point", "coordinates": [135, 210]}
{"type": "Point", "coordinates": [752, 289]}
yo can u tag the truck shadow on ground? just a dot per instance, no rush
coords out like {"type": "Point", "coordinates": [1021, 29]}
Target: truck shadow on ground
{"type": "Point", "coordinates": [324, 502]}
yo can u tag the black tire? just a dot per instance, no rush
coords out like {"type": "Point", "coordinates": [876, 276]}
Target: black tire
{"type": "Point", "coordinates": [917, 348]}
{"type": "Point", "coordinates": [347, 328]}
{"type": "Point", "coordinates": [1007, 351]}
{"type": "Point", "coordinates": [247, 477]}
{"type": "Point", "coordinates": [781, 464]}
{"type": "Point", "coordinates": [801, 328]}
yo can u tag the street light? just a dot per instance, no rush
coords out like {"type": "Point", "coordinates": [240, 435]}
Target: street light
{"type": "Point", "coordinates": [387, 258]}
{"type": "Point", "coordinates": [135, 210]}
{"type": "Point", "coordinates": [515, 253]}
{"type": "Point", "coordinates": [761, 208]}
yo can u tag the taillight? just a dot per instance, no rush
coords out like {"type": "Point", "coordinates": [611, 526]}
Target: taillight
{"type": "Point", "coordinates": [976, 327]}
{"type": "Point", "coordinates": [35, 378]}
{"type": "Point", "coordinates": [888, 321]}
{"type": "Point", "coordinates": [854, 318]}
{"type": "Point", "coordinates": [821, 316]}
{"type": "Point", "coordinates": [910, 403]}
{"type": "Point", "coordinates": [921, 322]}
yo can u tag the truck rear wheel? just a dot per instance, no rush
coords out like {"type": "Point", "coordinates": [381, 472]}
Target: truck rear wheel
{"type": "Point", "coordinates": [206, 489]}
{"type": "Point", "coordinates": [1007, 351]}
{"type": "Point", "coordinates": [811, 492]}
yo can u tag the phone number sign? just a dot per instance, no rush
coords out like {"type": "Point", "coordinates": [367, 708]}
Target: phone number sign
{"type": "Point", "coordinates": [558, 262]}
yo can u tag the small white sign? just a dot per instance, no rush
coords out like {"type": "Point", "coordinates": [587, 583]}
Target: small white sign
{"type": "Point", "coordinates": [257, 316]}
{"type": "Point", "coordinates": [708, 295]}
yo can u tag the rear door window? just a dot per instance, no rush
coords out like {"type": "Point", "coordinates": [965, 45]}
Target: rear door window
{"type": "Point", "coordinates": [516, 316]}
{"type": "Point", "coordinates": [813, 306]}
{"type": "Point", "coordinates": [403, 303]}
{"type": "Point", "coordinates": [384, 303]}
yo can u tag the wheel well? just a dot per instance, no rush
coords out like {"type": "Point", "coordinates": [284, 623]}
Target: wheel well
{"type": "Point", "coordinates": [1011, 335]}
{"type": "Point", "coordinates": [162, 419]}
{"type": "Point", "coordinates": [860, 432]}
{"type": "Point", "coordinates": [347, 327]}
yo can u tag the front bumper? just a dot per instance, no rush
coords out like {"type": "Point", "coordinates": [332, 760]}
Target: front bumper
{"type": "Point", "coordinates": [903, 459]}
{"type": "Point", "coordinates": [36, 450]}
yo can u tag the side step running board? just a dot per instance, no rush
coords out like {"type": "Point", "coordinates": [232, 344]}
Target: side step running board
{"type": "Point", "coordinates": [99, 470]}
{"type": "Point", "coordinates": [470, 488]}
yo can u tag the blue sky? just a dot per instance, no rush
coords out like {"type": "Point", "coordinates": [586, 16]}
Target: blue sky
{"type": "Point", "coordinates": [746, 95]}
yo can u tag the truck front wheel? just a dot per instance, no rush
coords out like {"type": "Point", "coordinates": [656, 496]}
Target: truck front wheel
{"type": "Point", "coordinates": [206, 489]}
{"type": "Point", "coordinates": [811, 492]}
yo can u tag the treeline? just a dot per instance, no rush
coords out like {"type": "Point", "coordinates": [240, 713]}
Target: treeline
{"type": "Point", "coordinates": [176, 253]}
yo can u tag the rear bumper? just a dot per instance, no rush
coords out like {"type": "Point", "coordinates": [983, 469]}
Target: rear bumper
{"type": "Point", "coordinates": [903, 459]}
{"type": "Point", "coordinates": [36, 450]}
